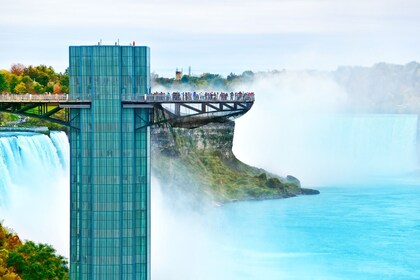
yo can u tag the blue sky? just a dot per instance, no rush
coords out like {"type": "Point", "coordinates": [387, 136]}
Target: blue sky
{"type": "Point", "coordinates": [216, 36]}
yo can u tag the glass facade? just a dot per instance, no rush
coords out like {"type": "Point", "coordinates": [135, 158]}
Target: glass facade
{"type": "Point", "coordinates": [110, 164]}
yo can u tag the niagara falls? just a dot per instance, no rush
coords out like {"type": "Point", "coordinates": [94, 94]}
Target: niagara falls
{"type": "Point", "coordinates": [210, 140]}
{"type": "Point", "coordinates": [362, 225]}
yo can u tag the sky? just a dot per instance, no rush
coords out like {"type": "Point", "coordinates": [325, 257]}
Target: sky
{"type": "Point", "coordinates": [216, 36]}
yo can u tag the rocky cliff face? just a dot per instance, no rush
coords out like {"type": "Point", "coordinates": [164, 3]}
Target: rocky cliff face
{"type": "Point", "coordinates": [201, 162]}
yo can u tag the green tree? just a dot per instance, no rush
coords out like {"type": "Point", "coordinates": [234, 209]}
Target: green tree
{"type": "Point", "coordinates": [3, 83]}
{"type": "Point", "coordinates": [11, 79]}
{"type": "Point", "coordinates": [231, 77]}
{"type": "Point", "coordinates": [14, 81]}
{"type": "Point", "coordinates": [37, 75]}
{"type": "Point", "coordinates": [38, 261]}
{"type": "Point", "coordinates": [64, 81]}
{"type": "Point", "coordinates": [38, 88]}
{"type": "Point", "coordinates": [29, 83]}
{"type": "Point", "coordinates": [20, 88]}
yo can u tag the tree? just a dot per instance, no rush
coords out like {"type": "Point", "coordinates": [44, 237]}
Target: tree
{"type": "Point", "coordinates": [38, 88]}
{"type": "Point", "coordinates": [57, 89]}
{"type": "Point", "coordinates": [8, 241]}
{"type": "Point", "coordinates": [64, 81]}
{"type": "Point", "coordinates": [17, 69]}
{"type": "Point", "coordinates": [38, 261]}
{"type": "Point", "coordinates": [20, 88]}
{"type": "Point", "coordinates": [231, 77]}
{"type": "Point", "coordinates": [248, 75]}
{"type": "Point", "coordinates": [3, 83]}
{"type": "Point", "coordinates": [14, 81]}
{"type": "Point", "coordinates": [42, 74]}
{"type": "Point", "coordinates": [29, 83]}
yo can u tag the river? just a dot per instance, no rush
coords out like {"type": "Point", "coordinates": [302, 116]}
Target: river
{"type": "Point", "coordinates": [347, 232]}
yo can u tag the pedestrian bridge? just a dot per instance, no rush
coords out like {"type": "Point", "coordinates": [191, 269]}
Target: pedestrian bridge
{"type": "Point", "coordinates": [179, 109]}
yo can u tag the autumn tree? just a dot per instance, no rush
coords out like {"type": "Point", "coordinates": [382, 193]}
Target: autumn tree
{"type": "Point", "coordinates": [20, 88]}
{"type": "Point", "coordinates": [57, 89]}
{"type": "Point", "coordinates": [38, 261]}
{"type": "Point", "coordinates": [8, 242]}
{"type": "Point", "coordinates": [17, 69]}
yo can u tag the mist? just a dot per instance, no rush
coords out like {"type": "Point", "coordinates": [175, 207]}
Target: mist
{"type": "Point", "coordinates": [187, 242]}
{"type": "Point", "coordinates": [303, 124]}
{"type": "Point", "coordinates": [34, 188]}
{"type": "Point", "coordinates": [300, 124]}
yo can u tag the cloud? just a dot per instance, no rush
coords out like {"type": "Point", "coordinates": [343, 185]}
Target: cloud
{"type": "Point", "coordinates": [234, 16]}
{"type": "Point", "coordinates": [216, 36]}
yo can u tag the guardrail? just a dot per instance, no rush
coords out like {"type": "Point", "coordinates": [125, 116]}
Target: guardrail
{"type": "Point", "coordinates": [190, 97]}
{"type": "Point", "coordinates": [155, 97]}
{"type": "Point", "coordinates": [34, 97]}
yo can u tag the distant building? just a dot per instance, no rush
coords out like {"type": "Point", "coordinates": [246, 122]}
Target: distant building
{"type": "Point", "coordinates": [178, 75]}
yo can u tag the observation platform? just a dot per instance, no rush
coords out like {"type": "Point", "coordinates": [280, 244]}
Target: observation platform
{"type": "Point", "coordinates": [179, 109]}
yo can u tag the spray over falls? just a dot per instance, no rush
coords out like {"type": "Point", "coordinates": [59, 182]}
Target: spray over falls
{"type": "Point", "coordinates": [34, 186]}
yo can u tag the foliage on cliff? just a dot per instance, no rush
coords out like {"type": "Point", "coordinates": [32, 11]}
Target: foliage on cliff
{"type": "Point", "coordinates": [200, 162]}
{"type": "Point", "coordinates": [27, 260]}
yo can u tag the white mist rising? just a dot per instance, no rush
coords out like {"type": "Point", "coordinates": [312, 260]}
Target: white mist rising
{"type": "Point", "coordinates": [34, 185]}
{"type": "Point", "coordinates": [187, 243]}
{"type": "Point", "coordinates": [299, 126]}
{"type": "Point", "coordinates": [296, 127]}
{"type": "Point", "coordinates": [36, 191]}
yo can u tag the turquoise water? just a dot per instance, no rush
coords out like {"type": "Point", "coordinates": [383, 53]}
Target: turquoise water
{"type": "Point", "coordinates": [346, 232]}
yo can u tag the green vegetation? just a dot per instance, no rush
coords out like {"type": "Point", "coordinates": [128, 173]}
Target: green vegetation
{"type": "Point", "coordinates": [200, 162]}
{"type": "Point", "coordinates": [3, 83]}
{"type": "Point", "coordinates": [39, 79]}
{"type": "Point", "coordinates": [221, 179]}
{"type": "Point", "coordinates": [206, 81]}
{"type": "Point", "coordinates": [33, 79]}
{"type": "Point", "coordinates": [27, 260]}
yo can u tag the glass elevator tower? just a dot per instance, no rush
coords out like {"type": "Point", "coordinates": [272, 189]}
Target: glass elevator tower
{"type": "Point", "coordinates": [110, 164]}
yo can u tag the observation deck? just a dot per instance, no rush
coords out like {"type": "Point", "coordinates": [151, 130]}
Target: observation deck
{"type": "Point", "coordinates": [179, 109]}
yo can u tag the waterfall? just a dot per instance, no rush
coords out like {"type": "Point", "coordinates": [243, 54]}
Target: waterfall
{"type": "Point", "coordinates": [34, 184]}
{"type": "Point", "coordinates": [325, 149]}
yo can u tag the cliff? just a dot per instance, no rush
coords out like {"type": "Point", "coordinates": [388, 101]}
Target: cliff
{"type": "Point", "coordinates": [200, 162]}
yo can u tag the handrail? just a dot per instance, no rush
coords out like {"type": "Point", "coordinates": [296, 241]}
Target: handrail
{"type": "Point", "coordinates": [155, 97]}
{"type": "Point", "coordinates": [191, 97]}
{"type": "Point", "coordinates": [34, 97]}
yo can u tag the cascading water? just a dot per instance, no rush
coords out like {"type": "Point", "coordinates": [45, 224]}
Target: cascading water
{"type": "Point", "coordinates": [298, 127]}
{"type": "Point", "coordinates": [269, 239]}
{"type": "Point", "coordinates": [34, 185]}
{"type": "Point", "coordinates": [334, 148]}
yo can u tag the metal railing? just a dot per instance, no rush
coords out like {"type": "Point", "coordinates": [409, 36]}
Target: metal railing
{"type": "Point", "coordinates": [191, 97]}
{"type": "Point", "coordinates": [34, 97]}
{"type": "Point", "coordinates": [154, 97]}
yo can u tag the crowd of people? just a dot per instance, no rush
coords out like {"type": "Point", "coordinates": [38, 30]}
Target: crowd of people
{"type": "Point", "coordinates": [156, 96]}
{"type": "Point", "coordinates": [204, 96]}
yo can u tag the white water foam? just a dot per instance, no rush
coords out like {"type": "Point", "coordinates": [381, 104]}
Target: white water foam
{"type": "Point", "coordinates": [34, 187]}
